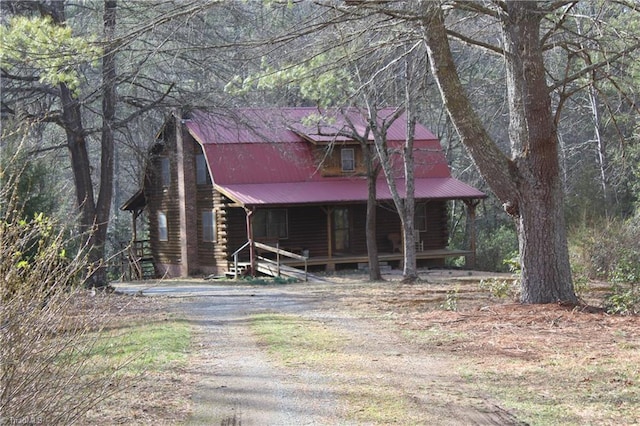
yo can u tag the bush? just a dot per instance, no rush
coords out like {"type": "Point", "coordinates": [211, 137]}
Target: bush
{"type": "Point", "coordinates": [623, 301]}
{"type": "Point", "coordinates": [608, 250]}
{"type": "Point", "coordinates": [450, 302]}
{"type": "Point", "coordinates": [48, 326]}
{"type": "Point", "coordinates": [495, 247]}
{"type": "Point", "coordinates": [500, 289]}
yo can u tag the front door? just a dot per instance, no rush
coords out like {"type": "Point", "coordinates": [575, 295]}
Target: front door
{"type": "Point", "coordinates": [341, 230]}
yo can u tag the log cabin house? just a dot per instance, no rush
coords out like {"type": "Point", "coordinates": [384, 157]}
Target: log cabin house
{"type": "Point", "coordinates": [290, 178]}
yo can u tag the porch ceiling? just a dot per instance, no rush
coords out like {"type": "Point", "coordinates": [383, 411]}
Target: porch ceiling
{"type": "Point", "coordinates": [342, 191]}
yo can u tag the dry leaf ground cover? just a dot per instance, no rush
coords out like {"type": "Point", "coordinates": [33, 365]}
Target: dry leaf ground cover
{"type": "Point", "coordinates": [548, 364]}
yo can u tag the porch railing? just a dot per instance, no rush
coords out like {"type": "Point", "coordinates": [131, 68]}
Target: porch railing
{"type": "Point", "coordinates": [135, 257]}
{"type": "Point", "coordinates": [278, 252]}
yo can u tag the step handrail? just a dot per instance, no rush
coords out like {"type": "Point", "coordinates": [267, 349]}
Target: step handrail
{"type": "Point", "coordinates": [280, 252]}
{"type": "Point", "coordinates": [235, 258]}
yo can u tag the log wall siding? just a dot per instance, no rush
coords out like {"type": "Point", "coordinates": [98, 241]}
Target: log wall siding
{"type": "Point", "coordinates": [212, 257]}
{"type": "Point", "coordinates": [437, 234]}
{"type": "Point", "coordinates": [200, 199]}
{"type": "Point", "coordinates": [222, 248]}
{"type": "Point", "coordinates": [307, 230]}
{"type": "Point", "coordinates": [388, 222]}
{"type": "Point", "coordinates": [166, 254]}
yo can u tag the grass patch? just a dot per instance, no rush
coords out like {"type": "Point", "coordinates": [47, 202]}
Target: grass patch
{"type": "Point", "coordinates": [139, 347]}
{"type": "Point", "coordinates": [268, 280]}
{"type": "Point", "coordinates": [594, 381]}
{"type": "Point", "coordinates": [300, 343]}
{"type": "Point", "coordinates": [545, 364]}
{"type": "Point", "coordinates": [149, 353]}
{"type": "Point", "coordinates": [295, 340]}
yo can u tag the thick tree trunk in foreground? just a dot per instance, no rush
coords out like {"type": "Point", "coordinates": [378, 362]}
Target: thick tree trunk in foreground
{"type": "Point", "coordinates": [528, 184]}
{"type": "Point", "coordinates": [544, 256]}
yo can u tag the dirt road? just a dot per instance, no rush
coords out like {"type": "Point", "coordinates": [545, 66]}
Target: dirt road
{"type": "Point", "coordinates": [239, 383]}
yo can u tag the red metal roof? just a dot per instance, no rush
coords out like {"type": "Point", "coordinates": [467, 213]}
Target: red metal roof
{"type": "Point", "coordinates": [256, 158]}
{"type": "Point", "coordinates": [342, 190]}
{"type": "Point", "coordinates": [263, 125]}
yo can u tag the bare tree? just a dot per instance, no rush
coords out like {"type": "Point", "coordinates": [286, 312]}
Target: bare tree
{"type": "Point", "coordinates": [109, 101]}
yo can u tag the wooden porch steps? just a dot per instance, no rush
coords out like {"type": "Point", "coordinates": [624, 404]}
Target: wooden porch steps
{"type": "Point", "coordinates": [147, 268]}
{"type": "Point", "coordinates": [242, 269]}
{"type": "Point", "coordinates": [270, 268]}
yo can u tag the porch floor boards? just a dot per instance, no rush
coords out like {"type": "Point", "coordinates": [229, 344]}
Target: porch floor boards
{"type": "Point", "coordinates": [382, 257]}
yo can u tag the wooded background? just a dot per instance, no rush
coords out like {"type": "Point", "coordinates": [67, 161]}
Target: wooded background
{"type": "Point", "coordinates": [86, 86]}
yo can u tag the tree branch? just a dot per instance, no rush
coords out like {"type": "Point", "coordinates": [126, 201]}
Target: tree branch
{"type": "Point", "coordinates": [594, 66]}
{"type": "Point", "coordinates": [144, 109]}
{"type": "Point", "coordinates": [7, 75]}
{"type": "Point", "coordinates": [471, 6]}
{"type": "Point", "coordinates": [474, 42]}
{"type": "Point", "coordinates": [497, 169]}
{"type": "Point", "coordinates": [47, 149]}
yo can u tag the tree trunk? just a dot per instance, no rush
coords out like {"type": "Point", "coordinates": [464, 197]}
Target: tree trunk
{"type": "Point", "coordinates": [94, 217]}
{"type": "Point", "coordinates": [410, 270]}
{"type": "Point", "coordinates": [76, 140]}
{"type": "Point", "coordinates": [404, 205]}
{"type": "Point", "coordinates": [530, 184]}
{"type": "Point", "coordinates": [105, 196]}
{"type": "Point", "coordinates": [601, 147]}
{"type": "Point", "coordinates": [372, 205]}
{"type": "Point", "coordinates": [544, 257]}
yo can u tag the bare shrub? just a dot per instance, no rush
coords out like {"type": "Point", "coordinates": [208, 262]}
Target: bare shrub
{"type": "Point", "coordinates": [49, 326]}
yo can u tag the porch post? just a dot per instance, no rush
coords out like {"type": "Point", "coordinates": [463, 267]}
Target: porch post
{"type": "Point", "coordinates": [470, 260]}
{"type": "Point", "coordinates": [331, 267]}
{"type": "Point", "coordinates": [252, 247]}
{"type": "Point", "coordinates": [135, 214]}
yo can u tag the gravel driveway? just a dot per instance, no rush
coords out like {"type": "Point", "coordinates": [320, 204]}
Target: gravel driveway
{"type": "Point", "coordinates": [240, 385]}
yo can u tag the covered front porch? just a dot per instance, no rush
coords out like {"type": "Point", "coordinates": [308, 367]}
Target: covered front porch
{"type": "Point", "coordinates": [277, 261]}
{"type": "Point", "coordinates": [335, 261]}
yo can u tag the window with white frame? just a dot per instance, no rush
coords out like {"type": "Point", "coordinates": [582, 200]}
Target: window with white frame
{"type": "Point", "coordinates": [209, 226]}
{"type": "Point", "coordinates": [163, 231]}
{"type": "Point", "coordinates": [348, 159]}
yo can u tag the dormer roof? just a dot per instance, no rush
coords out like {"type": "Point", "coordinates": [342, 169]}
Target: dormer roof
{"type": "Point", "coordinates": [267, 156]}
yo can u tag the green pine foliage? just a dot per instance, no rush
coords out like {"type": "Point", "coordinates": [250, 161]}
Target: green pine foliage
{"type": "Point", "coordinates": [52, 50]}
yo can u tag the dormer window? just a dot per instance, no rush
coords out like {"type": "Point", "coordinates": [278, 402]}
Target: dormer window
{"type": "Point", "coordinates": [348, 159]}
